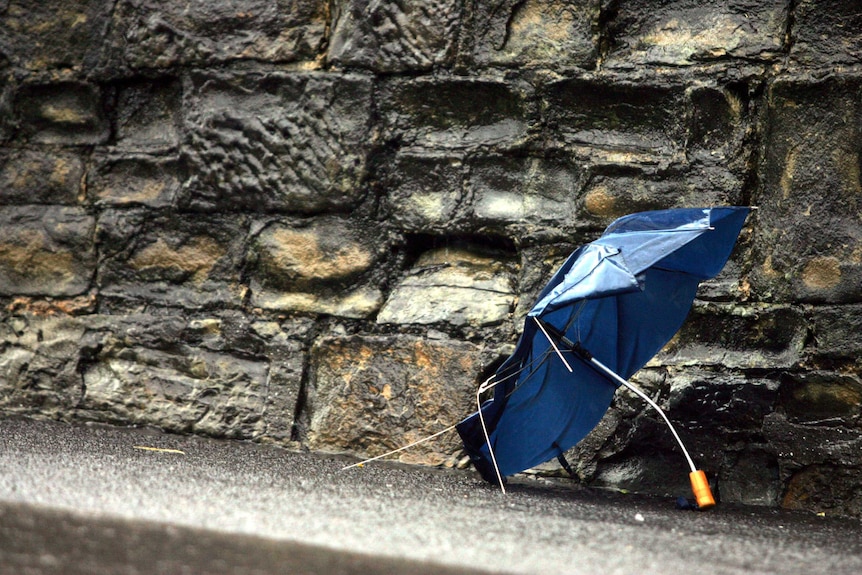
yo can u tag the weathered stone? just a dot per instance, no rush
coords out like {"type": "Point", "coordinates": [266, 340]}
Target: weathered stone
{"type": "Point", "coordinates": [719, 409]}
{"type": "Point", "coordinates": [638, 124]}
{"type": "Point", "coordinates": [686, 32]}
{"type": "Point", "coordinates": [122, 179]}
{"type": "Point", "coordinates": [449, 113]}
{"type": "Point", "coordinates": [154, 34]}
{"type": "Point", "coordinates": [392, 36]}
{"type": "Point", "coordinates": [547, 33]}
{"type": "Point", "coordinates": [817, 464]}
{"type": "Point", "coordinates": [46, 251]}
{"type": "Point", "coordinates": [315, 268]}
{"type": "Point", "coordinates": [607, 198]}
{"type": "Point", "coordinates": [189, 391]}
{"type": "Point", "coordinates": [172, 260]}
{"type": "Point", "coordinates": [53, 34]}
{"type": "Point", "coordinates": [216, 375]}
{"type": "Point", "coordinates": [808, 233]}
{"type": "Point", "coordinates": [452, 286]}
{"type": "Point", "coordinates": [799, 445]}
{"type": "Point", "coordinates": [718, 123]}
{"type": "Point", "coordinates": [38, 360]}
{"type": "Point", "coordinates": [523, 195]}
{"type": "Point", "coordinates": [289, 142]}
{"type": "Point", "coordinates": [827, 489]}
{"type": "Point", "coordinates": [514, 196]}
{"type": "Point", "coordinates": [148, 115]}
{"type": "Point", "coordinates": [737, 337]}
{"type": "Point", "coordinates": [836, 332]}
{"type": "Point", "coordinates": [33, 176]}
{"type": "Point", "coordinates": [372, 394]}
{"type": "Point", "coordinates": [287, 364]}
{"type": "Point", "coordinates": [816, 397]}
{"type": "Point", "coordinates": [826, 32]}
{"type": "Point", "coordinates": [7, 122]}
{"type": "Point", "coordinates": [427, 192]}
{"type": "Point", "coordinates": [229, 384]}
{"type": "Point", "coordinates": [63, 113]}
{"type": "Point", "coordinates": [751, 478]}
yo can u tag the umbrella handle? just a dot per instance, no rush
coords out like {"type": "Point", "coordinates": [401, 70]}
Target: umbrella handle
{"type": "Point", "coordinates": [701, 490]}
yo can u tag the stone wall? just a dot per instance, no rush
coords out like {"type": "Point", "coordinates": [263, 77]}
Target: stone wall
{"type": "Point", "coordinates": [320, 223]}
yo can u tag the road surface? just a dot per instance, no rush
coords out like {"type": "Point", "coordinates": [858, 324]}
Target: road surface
{"type": "Point", "coordinates": [95, 499]}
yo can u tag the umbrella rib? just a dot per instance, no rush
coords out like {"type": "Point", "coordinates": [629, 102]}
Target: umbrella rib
{"type": "Point", "coordinates": [637, 391]}
{"type": "Point", "coordinates": [553, 345]}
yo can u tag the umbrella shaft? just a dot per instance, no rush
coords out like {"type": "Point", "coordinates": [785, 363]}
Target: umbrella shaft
{"type": "Point", "coordinates": [637, 391]}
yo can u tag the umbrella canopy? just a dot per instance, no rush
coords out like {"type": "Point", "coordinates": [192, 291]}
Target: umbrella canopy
{"type": "Point", "coordinates": [619, 300]}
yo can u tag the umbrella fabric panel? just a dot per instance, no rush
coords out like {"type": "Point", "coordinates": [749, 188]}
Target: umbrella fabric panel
{"type": "Point", "coordinates": [705, 256]}
{"type": "Point", "coordinates": [541, 420]}
{"type": "Point", "coordinates": [626, 331]}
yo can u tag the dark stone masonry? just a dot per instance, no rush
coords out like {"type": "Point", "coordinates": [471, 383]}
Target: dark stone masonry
{"type": "Point", "coordinates": [320, 223]}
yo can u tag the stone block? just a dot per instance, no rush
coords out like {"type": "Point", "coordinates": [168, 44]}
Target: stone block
{"type": "Point", "coordinates": [617, 123]}
{"type": "Point", "coordinates": [40, 176]}
{"type": "Point", "coordinates": [66, 113]}
{"type": "Point", "coordinates": [155, 34]}
{"type": "Point", "coordinates": [827, 489]}
{"type": "Point", "coordinates": [738, 337]}
{"type": "Point", "coordinates": [186, 261]}
{"type": "Point", "coordinates": [208, 374]}
{"type": "Point", "coordinates": [372, 394]}
{"type": "Point", "coordinates": [121, 178]}
{"type": "Point", "coordinates": [52, 34]}
{"type": "Point", "coordinates": [392, 36]}
{"type": "Point", "coordinates": [454, 286]}
{"type": "Point", "coordinates": [807, 239]}
{"type": "Point", "coordinates": [687, 32]}
{"type": "Point", "coordinates": [524, 195]}
{"type": "Point", "coordinates": [427, 192]}
{"type": "Point", "coordinates": [192, 391]}
{"type": "Point", "coordinates": [534, 33]}
{"type": "Point", "coordinates": [826, 33]}
{"type": "Point", "coordinates": [719, 407]}
{"type": "Point", "coordinates": [148, 115]}
{"type": "Point", "coordinates": [46, 251]}
{"type": "Point", "coordinates": [818, 397]}
{"type": "Point", "coordinates": [287, 355]}
{"type": "Point", "coordinates": [718, 123]}
{"type": "Point", "coordinates": [750, 478]}
{"type": "Point", "coordinates": [608, 197]}
{"type": "Point", "coordinates": [835, 331]}
{"type": "Point", "coordinates": [457, 113]}
{"type": "Point", "coordinates": [38, 363]}
{"type": "Point", "coordinates": [799, 445]}
{"type": "Point", "coordinates": [220, 375]}
{"type": "Point", "coordinates": [315, 267]}
{"type": "Point", "coordinates": [276, 141]}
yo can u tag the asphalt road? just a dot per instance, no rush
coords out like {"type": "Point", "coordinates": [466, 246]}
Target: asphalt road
{"type": "Point", "coordinates": [92, 499]}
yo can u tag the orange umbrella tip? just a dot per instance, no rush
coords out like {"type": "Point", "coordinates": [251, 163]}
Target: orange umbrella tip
{"type": "Point", "coordinates": [701, 490]}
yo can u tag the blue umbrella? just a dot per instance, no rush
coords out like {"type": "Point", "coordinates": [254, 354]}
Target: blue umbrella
{"type": "Point", "coordinates": [610, 308]}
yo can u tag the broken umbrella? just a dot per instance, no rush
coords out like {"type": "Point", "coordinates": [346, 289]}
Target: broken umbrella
{"type": "Point", "coordinates": [608, 310]}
